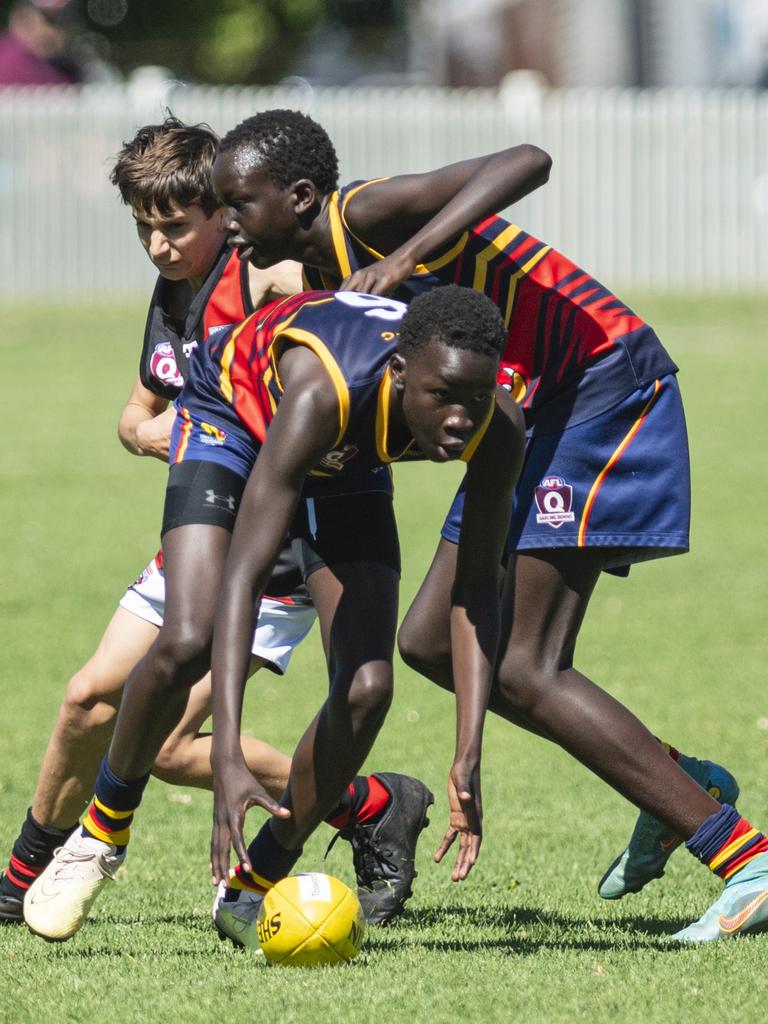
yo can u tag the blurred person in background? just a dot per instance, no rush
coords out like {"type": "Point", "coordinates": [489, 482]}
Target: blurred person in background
{"type": "Point", "coordinates": [47, 43]}
{"type": "Point", "coordinates": [35, 47]}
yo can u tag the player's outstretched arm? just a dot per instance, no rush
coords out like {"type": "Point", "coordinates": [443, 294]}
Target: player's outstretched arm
{"type": "Point", "coordinates": [475, 619]}
{"type": "Point", "coordinates": [145, 423]}
{"type": "Point", "coordinates": [305, 427]}
{"type": "Point", "coordinates": [412, 216]}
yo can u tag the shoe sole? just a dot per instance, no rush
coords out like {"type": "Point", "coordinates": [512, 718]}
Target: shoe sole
{"type": "Point", "coordinates": [223, 937]}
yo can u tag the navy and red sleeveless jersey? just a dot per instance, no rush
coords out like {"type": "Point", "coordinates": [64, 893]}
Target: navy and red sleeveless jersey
{"type": "Point", "coordinates": [573, 348]}
{"type": "Point", "coordinates": [352, 334]}
{"type": "Point", "coordinates": [223, 299]}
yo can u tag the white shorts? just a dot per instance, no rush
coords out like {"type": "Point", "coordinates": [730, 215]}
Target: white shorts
{"type": "Point", "coordinates": [281, 627]}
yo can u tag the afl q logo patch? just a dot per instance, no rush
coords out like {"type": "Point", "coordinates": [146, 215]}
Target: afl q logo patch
{"type": "Point", "coordinates": [163, 366]}
{"type": "Point", "coordinates": [554, 498]}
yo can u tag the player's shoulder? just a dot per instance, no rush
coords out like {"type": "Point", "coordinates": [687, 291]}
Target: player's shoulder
{"type": "Point", "coordinates": [363, 203]}
{"type": "Point", "coordinates": [271, 283]}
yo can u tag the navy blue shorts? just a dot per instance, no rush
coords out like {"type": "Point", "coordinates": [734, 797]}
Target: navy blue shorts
{"type": "Point", "coordinates": [221, 438]}
{"type": "Point", "coordinates": [619, 480]}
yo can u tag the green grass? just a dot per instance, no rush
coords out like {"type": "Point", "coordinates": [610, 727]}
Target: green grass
{"type": "Point", "coordinates": [682, 642]}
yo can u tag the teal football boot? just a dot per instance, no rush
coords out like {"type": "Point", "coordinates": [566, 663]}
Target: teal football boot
{"type": "Point", "coordinates": [652, 844]}
{"type": "Point", "coordinates": [741, 908]}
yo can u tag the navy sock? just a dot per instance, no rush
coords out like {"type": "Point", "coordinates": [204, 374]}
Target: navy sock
{"type": "Point", "coordinates": [270, 862]}
{"type": "Point", "coordinates": [110, 813]}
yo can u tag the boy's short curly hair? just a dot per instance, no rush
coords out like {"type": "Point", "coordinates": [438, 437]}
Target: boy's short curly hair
{"type": "Point", "coordinates": [166, 165]}
{"type": "Point", "coordinates": [288, 145]}
{"type": "Point", "coordinates": [456, 316]}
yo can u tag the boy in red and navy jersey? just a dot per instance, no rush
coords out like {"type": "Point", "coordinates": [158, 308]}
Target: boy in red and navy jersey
{"type": "Point", "coordinates": [307, 402]}
{"type": "Point", "coordinates": [163, 174]}
{"type": "Point", "coordinates": [606, 478]}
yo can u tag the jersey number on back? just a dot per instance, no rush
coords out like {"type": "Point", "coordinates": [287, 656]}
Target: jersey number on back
{"type": "Point", "coordinates": [374, 305]}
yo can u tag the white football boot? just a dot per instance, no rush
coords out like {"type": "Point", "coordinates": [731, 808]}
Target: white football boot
{"type": "Point", "coordinates": [57, 903]}
{"type": "Point", "coordinates": [235, 912]}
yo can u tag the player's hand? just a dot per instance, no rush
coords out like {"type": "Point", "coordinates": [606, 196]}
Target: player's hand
{"type": "Point", "coordinates": [381, 277]}
{"type": "Point", "coordinates": [465, 821]}
{"type": "Point", "coordinates": [235, 790]}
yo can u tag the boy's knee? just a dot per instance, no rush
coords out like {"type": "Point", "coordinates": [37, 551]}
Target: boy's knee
{"type": "Point", "coordinates": [180, 656]}
{"type": "Point", "coordinates": [520, 681]}
{"type": "Point", "coordinates": [370, 695]}
{"type": "Point", "coordinates": [171, 762]}
{"type": "Point", "coordinates": [88, 703]}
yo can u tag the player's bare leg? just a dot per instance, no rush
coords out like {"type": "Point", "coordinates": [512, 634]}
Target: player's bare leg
{"type": "Point", "coordinates": [424, 644]}
{"type": "Point", "coordinates": [185, 758]}
{"type": "Point", "coordinates": [548, 598]}
{"type": "Point", "coordinates": [81, 738]}
{"type": "Point", "coordinates": [86, 720]}
{"type": "Point", "coordinates": [71, 760]}
{"type": "Point", "coordinates": [545, 599]}
{"type": "Point", "coordinates": [357, 610]}
{"type": "Point", "coordinates": [424, 638]}
{"type": "Point", "coordinates": [153, 703]}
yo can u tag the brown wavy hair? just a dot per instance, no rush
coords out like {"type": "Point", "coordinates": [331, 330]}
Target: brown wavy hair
{"type": "Point", "coordinates": [166, 165]}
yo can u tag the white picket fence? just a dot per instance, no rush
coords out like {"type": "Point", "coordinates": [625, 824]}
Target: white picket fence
{"type": "Point", "coordinates": [663, 189]}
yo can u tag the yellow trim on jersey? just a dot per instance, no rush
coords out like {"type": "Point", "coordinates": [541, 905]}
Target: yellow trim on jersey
{"type": "Point", "coordinates": [489, 253]}
{"type": "Point", "coordinates": [227, 356]}
{"type": "Point", "coordinates": [269, 373]}
{"type": "Point", "coordinates": [382, 421]}
{"type": "Point", "coordinates": [353, 192]}
{"type": "Point", "coordinates": [185, 430]}
{"type": "Point", "coordinates": [516, 277]}
{"type": "Point", "coordinates": [475, 440]}
{"type": "Point", "coordinates": [323, 353]}
{"type": "Point", "coordinates": [421, 268]}
{"type": "Point", "coordinates": [337, 235]}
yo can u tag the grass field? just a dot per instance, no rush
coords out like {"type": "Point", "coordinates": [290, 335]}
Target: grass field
{"type": "Point", "coordinates": [526, 938]}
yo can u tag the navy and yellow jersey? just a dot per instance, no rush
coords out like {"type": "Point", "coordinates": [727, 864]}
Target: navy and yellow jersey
{"type": "Point", "coordinates": [573, 348]}
{"type": "Point", "coordinates": [237, 375]}
{"type": "Point", "coordinates": [223, 299]}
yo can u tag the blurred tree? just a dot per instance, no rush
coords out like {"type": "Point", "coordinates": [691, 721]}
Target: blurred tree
{"type": "Point", "coordinates": [228, 41]}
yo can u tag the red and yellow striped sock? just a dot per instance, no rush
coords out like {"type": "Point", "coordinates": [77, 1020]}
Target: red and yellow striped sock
{"type": "Point", "coordinates": [726, 842]}
{"type": "Point", "coordinates": [269, 862]}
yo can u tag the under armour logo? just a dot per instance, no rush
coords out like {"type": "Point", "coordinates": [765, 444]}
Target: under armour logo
{"type": "Point", "coordinates": [226, 501]}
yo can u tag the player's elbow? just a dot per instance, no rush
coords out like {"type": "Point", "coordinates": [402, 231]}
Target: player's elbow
{"type": "Point", "coordinates": [539, 163]}
{"type": "Point", "coordinates": [126, 433]}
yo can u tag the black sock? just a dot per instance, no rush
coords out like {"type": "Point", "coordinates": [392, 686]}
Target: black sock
{"type": "Point", "coordinates": [32, 853]}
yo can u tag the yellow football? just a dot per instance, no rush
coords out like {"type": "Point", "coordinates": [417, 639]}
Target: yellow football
{"type": "Point", "coordinates": [310, 919]}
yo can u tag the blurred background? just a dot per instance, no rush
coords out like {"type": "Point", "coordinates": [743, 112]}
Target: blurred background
{"type": "Point", "coordinates": [656, 115]}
